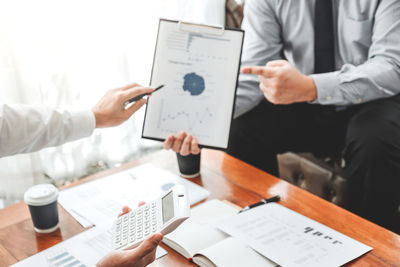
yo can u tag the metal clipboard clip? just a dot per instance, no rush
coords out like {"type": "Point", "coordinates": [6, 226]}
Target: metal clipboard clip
{"type": "Point", "coordinates": [201, 28]}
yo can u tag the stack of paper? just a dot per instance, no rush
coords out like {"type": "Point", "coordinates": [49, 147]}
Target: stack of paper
{"type": "Point", "coordinates": [99, 202]}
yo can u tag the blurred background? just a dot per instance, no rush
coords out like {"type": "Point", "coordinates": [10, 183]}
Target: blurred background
{"type": "Point", "coordinates": [66, 55]}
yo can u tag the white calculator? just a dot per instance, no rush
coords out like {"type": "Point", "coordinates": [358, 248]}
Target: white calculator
{"type": "Point", "coordinates": [163, 215]}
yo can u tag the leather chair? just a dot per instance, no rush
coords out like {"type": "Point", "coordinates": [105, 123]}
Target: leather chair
{"type": "Point", "coordinates": [323, 177]}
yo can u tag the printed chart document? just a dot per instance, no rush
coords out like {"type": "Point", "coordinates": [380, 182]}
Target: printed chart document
{"type": "Point", "coordinates": [99, 202]}
{"type": "Point", "coordinates": [199, 66]}
{"type": "Point", "coordinates": [84, 249]}
{"type": "Point", "coordinates": [291, 239]}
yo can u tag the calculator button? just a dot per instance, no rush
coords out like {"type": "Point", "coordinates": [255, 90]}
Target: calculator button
{"type": "Point", "coordinates": [153, 228]}
{"type": "Point", "coordinates": [122, 243]}
{"type": "Point", "coordinates": [132, 239]}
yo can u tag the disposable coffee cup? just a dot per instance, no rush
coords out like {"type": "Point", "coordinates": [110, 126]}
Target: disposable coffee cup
{"type": "Point", "coordinates": [42, 202]}
{"type": "Point", "coordinates": [189, 166]}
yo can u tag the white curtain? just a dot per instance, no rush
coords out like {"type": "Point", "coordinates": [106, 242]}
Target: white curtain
{"type": "Point", "coordinates": [66, 55]}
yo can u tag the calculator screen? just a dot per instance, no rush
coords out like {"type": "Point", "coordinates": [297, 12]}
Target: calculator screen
{"type": "Point", "coordinates": [168, 207]}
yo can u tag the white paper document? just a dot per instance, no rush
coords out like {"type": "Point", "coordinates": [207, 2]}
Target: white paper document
{"type": "Point", "coordinates": [99, 202]}
{"type": "Point", "coordinates": [291, 239]}
{"type": "Point", "coordinates": [84, 249]}
{"type": "Point", "coordinates": [199, 66]}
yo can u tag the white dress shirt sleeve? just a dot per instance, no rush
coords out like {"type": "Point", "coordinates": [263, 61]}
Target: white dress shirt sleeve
{"type": "Point", "coordinates": [379, 76]}
{"type": "Point", "coordinates": [26, 128]}
{"type": "Point", "coordinates": [262, 43]}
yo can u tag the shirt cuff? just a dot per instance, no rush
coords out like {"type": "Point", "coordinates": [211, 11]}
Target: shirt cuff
{"type": "Point", "coordinates": [83, 124]}
{"type": "Point", "coordinates": [328, 88]}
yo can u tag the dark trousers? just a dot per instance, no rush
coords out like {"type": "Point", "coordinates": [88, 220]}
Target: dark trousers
{"type": "Point", "coordinates": [366, 135]}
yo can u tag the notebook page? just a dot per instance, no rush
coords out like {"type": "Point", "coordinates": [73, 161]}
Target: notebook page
{"type": "Point", "coordinates": [199, 231]}
{"type": "Point", "coordinates": [233, 253]}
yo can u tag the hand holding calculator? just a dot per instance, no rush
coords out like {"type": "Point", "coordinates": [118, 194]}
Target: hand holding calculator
{"type": "Point", "coordinates": [162, 215]}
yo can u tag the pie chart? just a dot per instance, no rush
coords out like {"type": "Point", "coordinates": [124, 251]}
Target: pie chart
{"type": "Point", "coordinates": [194, 84]}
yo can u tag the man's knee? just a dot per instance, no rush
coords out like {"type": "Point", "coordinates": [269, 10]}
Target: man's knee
{"type": "Point", "coordinates": [374, 134]}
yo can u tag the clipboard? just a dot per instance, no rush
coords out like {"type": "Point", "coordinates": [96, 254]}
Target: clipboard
{"type": "Point", "coordinates": [199, 66]}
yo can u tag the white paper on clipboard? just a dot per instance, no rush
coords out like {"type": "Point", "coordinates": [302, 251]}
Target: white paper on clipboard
{"type": "Point", "coordinates": [199, 66]}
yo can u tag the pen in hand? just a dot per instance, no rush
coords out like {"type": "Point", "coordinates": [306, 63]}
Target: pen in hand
{"type": "Point", "coordinates": [136, 98]}
{"type": "Point", "coordinates": [262, 202]}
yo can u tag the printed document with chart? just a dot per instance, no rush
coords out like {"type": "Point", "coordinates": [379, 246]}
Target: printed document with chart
{"type": "Point", "coordinates": [199, 66]}
{"type": "Point", "coordinates": [291, 239]}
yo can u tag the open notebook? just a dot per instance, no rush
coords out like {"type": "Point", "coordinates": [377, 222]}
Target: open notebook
{"type": "Point", "coordinates": [199, 239]}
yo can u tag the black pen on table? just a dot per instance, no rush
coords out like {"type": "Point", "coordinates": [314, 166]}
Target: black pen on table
{"type": "Point", "coordinates": [136, 98]}
{"type": "Point", "coordinates": [262, 202]}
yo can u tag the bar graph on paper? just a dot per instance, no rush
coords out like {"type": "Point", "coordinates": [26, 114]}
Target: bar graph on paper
{"type": "Point", "coordinates": [181, 41]}
{"type": "Point", "coordinates": [63, 258]}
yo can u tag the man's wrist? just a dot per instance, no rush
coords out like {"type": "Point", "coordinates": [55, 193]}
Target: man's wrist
{"type": "Point", "coordinates": [311, 89]}
{"type": "Point", "coordinates": [99, 122]}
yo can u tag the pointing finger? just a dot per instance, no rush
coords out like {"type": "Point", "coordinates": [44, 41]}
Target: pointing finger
{"type": "Point", "coordinates": [262, 71]}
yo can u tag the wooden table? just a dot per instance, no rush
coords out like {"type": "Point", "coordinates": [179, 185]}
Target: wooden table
{"type": "Point", "coordinates": [226, 178]}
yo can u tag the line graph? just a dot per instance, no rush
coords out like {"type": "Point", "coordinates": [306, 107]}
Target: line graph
{"type": "Point", "coordinates": [176, 118]}
{"type": "Point", "coordinates": [191, 119]}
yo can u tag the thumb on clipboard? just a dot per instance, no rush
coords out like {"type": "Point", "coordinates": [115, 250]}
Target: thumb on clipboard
{"type": "Point", "coordinates": [182, 143]}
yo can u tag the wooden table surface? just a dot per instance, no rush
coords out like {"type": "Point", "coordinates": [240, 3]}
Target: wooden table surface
{"type": "Point", "coordinates": [227, 179]}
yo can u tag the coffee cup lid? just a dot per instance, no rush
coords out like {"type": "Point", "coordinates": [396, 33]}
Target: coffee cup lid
{"type": "Point", "coordinates": [40, 195]}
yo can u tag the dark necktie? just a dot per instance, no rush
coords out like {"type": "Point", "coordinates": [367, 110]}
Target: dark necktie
{"type": "Point", "coordinates": [324, 49]}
